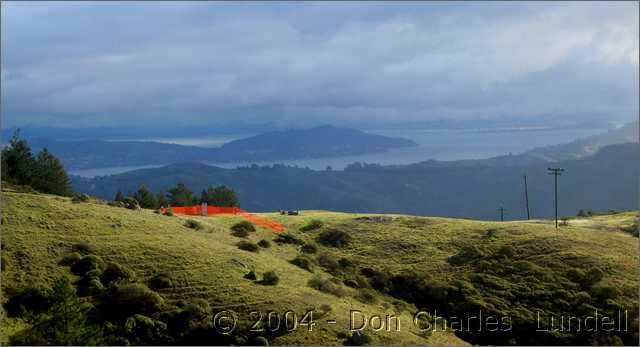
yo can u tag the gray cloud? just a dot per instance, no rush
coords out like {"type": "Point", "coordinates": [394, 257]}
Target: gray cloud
{"type": "Point", "coordinates": [87, 64]}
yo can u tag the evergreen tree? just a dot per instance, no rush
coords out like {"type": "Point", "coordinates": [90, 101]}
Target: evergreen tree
{"type": "Point", "coordinates": [64, 324]}
{"type": "Point", "coordinates": [145, 197]}
{"type": "Point", "coordinates": [119, 196]}
{"type": "Point", "coordinates": [17, 161]}
{"type": "Point", "coordinates": [181, 195]}
{"type": "Point", "coordinates": [161, 200]}
{"type": "Point", "coordinates": [49, 176]}
{"type": "Point", "coordinates": [220, 196]}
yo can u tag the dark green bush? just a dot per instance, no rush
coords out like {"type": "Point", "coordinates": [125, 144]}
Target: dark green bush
{"type": "Point", "coordinates": [143, 330]}
{"type": "Point", "coordinates": [240, 233]}
{"type": "Point", "coordinates": [193, 224]}
{"type": "Point", "coordinates": [83, 248]}
{"type": "Point", "coordinates": [334, 238]}
{"type": "Point", "coordinates": [303, 262]}
{"type": "Point", "coordinates": [466, 255]}
{"type": "Point", "coordinates": [160, 281]}
{"type": "Point", "coordinates": [251, 275]}
{"type": "Point", "coordinates": [168, 212]}
{"type": "Point", "coordinates": [80, 198]}
{"type": "Point", "coordinates": [31, 300]}
{"type": "Point", "coordinates": [248, 246]}
{"type": "Point", "coordinates": [367, 296]}
{"type": "Point", "coordinates": [326, 286]}
{"type": "Point", "coordinates": [328, 263]}
{"type": "Point", "coordinates": [128, 299]}
{"type": "Point", "coordinates": [261, 341]}
{"type": "Point", "coordinates": [264, 243]}
{"type": "Point", "coordinates": [358, 338]}
{"type": "Point", "coordinates": [287, 238]}
{"type": "Point", "coordinates": [114, 273]}
{"type": "Point", "coordinates": [309, 248]}
{"type": "Point", "coordinates": [312, 225]}
{"type": "Point", "coordinates": [89, 285]}
{"type": "Point", "coordinates": [86, 264]}
{"type": "Point", "coordinates": [70, 258]}
{"type": "Point", "coordinates": [243, 227]}
{"type": "Point", "coordinates": [270, 278]}
{"type": "Point", "coordinates": [131, 203]}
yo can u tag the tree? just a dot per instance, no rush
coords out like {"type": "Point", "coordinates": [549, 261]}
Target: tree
{"type": "Point", "coordinates": [220, 196]}
{"type": "Point", "coordinates": [119, 196]}
{"type": "Point", "coordinates": [64, 324]}
{"type": "Point", "coordinates": [145, 197]}
{"type": "Point", "coordinates": [161, 200]}
{"type": "Point", "coordinates": [49, 175]}
{"type": "Point", "coordinates": [181, 195]}
{"type": "Point", "coordinates": [17, 161]}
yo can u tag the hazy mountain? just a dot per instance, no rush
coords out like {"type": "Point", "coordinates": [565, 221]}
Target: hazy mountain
{"type": "Point", "coordinates": [324, 141]}
{"type": "Point", "coordinates": [607, 180]}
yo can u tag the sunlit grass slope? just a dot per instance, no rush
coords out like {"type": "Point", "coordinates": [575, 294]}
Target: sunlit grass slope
{"type": "Point", "coordinates": [38, 229]}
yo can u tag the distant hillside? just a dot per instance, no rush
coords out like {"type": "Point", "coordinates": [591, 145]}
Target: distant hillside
{"type": "Point", "coordinates": [576, 149]}
{"type": "Point", "coordinates": [324, 141]}
{"type": "Point", "coordinates": [607, 180]}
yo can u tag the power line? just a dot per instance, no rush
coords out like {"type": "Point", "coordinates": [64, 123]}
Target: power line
{"type": "Point", "coordinates": [556, 172]}
{"type": "Point", "coordinates": [526, 197]}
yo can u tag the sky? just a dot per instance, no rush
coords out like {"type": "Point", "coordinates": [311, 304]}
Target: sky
{"type": "Point", "coordinates": [87, 64]}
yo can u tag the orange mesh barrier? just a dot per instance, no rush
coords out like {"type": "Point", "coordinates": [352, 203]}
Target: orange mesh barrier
{"type": "Point", "coordinates": [212, 210]}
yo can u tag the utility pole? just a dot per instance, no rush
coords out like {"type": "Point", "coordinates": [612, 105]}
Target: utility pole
{"type": "Point", "coordinates": [556, 172]}
{"type": "Point", "coordinates": [501, 213]}
{"type": "Point", "coordinates": [526, 197]}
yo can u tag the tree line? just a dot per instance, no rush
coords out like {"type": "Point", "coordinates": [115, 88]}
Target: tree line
{"type": "Point", "coordinates": [44, 172]}
{"type": "Point", "coordinates": [181, 195]}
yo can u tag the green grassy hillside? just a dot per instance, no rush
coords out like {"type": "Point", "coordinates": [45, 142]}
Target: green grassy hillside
{"type": "Point", "coordinates": [408, 263]}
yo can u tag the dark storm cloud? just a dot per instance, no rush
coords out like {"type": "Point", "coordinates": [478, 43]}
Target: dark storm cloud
{"type": "Point", "coordinates": [87, 64]}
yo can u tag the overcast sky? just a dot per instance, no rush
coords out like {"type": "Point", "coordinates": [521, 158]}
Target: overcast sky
{"type": "Point", "coordinates": [110, 63]}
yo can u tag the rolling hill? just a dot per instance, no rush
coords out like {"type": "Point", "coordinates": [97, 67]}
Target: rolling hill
{"type": "Point", "coordinates": [598, 182]}
{"type": "Point", "coordinates": [400, 263]}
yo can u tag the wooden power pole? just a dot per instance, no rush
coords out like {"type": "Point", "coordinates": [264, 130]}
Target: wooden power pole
{"type": "Point", "coordinates": [556, 172]}
{"type": "Point", "coordinates": [526, 197]}
{"type": "Point", "coordinates": [502, 213]}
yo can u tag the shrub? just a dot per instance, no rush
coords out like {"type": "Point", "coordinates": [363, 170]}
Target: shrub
{"type": "Point", "coordinates": [328, 263]}
{"type": "Point", "coordinates": [128, 299]}
{"type": "Point", "coordinates": [309, 248]}
{"type": "Point", "coordinates": [358, 338]}
{"type": "Point", "coordinates": [270, 278]}
{"type": "Point", "coordinates": [326, 286]}
{"type": "Point", "coordinates": [82, 247]}
{"type": "Point", "coordinates": [467, 254]}
{"type": "Point", "coordinates": [34, 300]}
{"type": "Point", "coordinates": [240, 233]}
{"type": "Point", "coordinates": [303, 262]}
{"type": "Point", "coordinates": [70, 258]}
{"type": "Point", "coordinates": [243, 227]}
{"type": "Point", "coordinates": [86, 264]}
{"type": "Point", "coordinates": [334, 238]}
{"type": "Point", "coordinates": [168, 212]}
{"type": "Point", "coordinates": [89, 285]}
{"type": "Point", "coordinates": [312, 225]}
{"type": "Point", "coordinates": [248, 246]}
{"type": "Point", "coordinates": [193, 224]}
{"type": "Point", "coordinates": [264, 243]}
{"type": "Point", "coordinates": [251, 275]}
{"type": "Point", "coordinates": [261, 341]}
{"type": "Point", "coordinates": [114, 273]}
{"type": "Point", "coordinates": [131, 203]}
{"type": "Point", "coordinates": [142, 330]}
{"type": "Point", "coordinates": [80, 198]}
{"type": "Point", "coordinates": [160, 281]}
{"type": "Point", "coordinates": [367, 296]}
{"type": "Point", "coordinates": [287, 238]}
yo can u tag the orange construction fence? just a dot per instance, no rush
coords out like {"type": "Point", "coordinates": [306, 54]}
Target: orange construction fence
{"type": "Point", "coordinates": [212, 210]}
